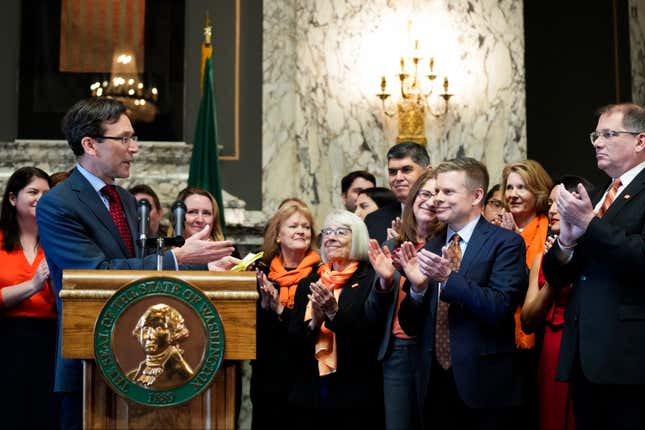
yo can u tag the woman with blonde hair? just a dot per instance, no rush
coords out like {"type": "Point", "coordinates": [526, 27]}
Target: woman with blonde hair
{"type": "Point", "coordinates": [201, 210]}
{"type": "Point", "coordinates": [526, 188]}
{"type": "Point", "coordinates": [288, 258]}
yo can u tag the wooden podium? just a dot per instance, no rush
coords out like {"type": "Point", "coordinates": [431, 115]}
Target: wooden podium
{"type": "Point", "coordinates": [233, 294]}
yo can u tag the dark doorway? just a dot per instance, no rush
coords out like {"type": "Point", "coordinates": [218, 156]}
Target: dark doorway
{"type": "Point", "coordinates": [577, 60]}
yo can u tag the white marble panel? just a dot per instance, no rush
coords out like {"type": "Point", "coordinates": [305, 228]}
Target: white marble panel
{"type": "Point", "coordinates": [637, 45]}
{"type": "Point", "coordinates": [322, 65]}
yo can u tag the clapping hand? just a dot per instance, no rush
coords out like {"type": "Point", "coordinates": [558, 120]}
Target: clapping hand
{"type": "Point", "coordinates": [381, 261]}
{"type": "Point", "coordinates": [41, 275]}
{"type": "Point", "coordinates": [270, 298]}
{"type": "Point", "coordinates": [323, 298]}
{"type": "Point", "coordinates": [508, 222]}
{"type": "Point", "coordinates": [550, 240]}
{"type": "Point", "coordinates": [394, 232]}
{"type": "Point", "coordinates": [576, 212]}
{"type": "Point", "coordinates": [435, 267]}
{"type": "Point", "coordinates": [410, 265]}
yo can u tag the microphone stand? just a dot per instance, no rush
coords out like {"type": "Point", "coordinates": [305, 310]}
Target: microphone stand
{"type": "Point", "coordinates": [159, 243]}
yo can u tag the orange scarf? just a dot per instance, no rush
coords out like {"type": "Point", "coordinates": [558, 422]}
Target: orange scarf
{"type": "Point", "coordinates": [325, 348]}
{"type": "Point", "coordinates": [534, 235]}
{"type": "Point", "coordinates": [288, 279]}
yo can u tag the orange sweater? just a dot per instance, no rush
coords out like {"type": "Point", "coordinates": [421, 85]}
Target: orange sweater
{"type": "Point", "coordinates": [534, 235]}
{"type": "Point", "coordinates": [16, 269]}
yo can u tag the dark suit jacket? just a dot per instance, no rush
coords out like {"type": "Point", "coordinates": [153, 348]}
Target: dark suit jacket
{"type": "Point", "coordinates": [483, 296]}
{"type": "Point", "coordinates": [379, 221]}
{"type": "Point", "coordinates": [380, 306]}
{"type": "Point", "coordinates": [77, 232]}
{"type": "Point", "coordinates": [606, 314]}
{"type": "Point", "coordinates": [357, 380]}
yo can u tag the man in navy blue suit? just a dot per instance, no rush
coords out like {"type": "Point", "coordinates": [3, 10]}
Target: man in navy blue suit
{"type": "Point", "coordinates": [86, 222]}
{"type": "Point", "coordinates": [464, 287]}
{"type": "Point", "coordinates": [601, 251]}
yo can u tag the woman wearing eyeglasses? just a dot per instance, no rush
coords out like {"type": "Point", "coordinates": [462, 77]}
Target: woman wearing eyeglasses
{"type": "Point", "coordinates": [397, 351]}
{"type": "Point", "coordinates": [288, 258]}
{"type": "Point", "coordinates": [494, 208]}
{"type": "Point", "coordinates": [336, 378]}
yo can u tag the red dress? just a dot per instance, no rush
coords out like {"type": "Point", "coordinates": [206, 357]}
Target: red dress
{"type": "Point", "coordinates": [555, 398]}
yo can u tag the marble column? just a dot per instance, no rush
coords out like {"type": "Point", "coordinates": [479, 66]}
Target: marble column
{"type": "Point", "coordinates": [637, 46]}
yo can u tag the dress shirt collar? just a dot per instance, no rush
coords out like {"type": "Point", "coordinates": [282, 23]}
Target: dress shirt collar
{"type": "Point", "coordinates": [627, 177]}
{"type": "Point", "coordinates": [465, 233]}
{"type": "Point", "coordinates": [96, 182]}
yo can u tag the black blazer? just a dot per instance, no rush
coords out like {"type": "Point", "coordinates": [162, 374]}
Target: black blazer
{"type": "Point", "coordinates": [380, 307]}
{"type": "Point", "coordinates": [483, 296]}
{"type": "Point", "coordinates": [378, 222]}
{"type": "Point", "coordinates": [606, 314]}
{"type": "Point", "coordinates": [272, 366]}
{"type": "Point", "coordinates": [357, 380]}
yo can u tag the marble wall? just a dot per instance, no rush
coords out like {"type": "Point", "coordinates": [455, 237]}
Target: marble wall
{"type": "Point", "coordinates": [637, 45]}
{"type": "Point", "coordinates": [322, 63]}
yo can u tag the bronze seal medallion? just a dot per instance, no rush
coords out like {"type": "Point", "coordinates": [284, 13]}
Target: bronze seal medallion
{"type": "Point", "coordinates": [158, 341]}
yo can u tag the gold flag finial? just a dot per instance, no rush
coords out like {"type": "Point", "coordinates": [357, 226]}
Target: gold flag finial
{"type": "Point", "coordinates": [208, 29]}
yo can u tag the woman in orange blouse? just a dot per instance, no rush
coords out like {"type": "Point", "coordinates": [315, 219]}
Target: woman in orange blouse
{"type": "Point", "coordinates": [526, 188]}
{"type": "Point", "coordinates": [27, 307]}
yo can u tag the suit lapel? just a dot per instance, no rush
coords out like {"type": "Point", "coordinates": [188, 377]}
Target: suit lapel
{"type": "Point", "coordinates": [88, 197]}
{"type": "Point", "coordinates": [356, 278]}
{"type": "Point", "coordinates": [434, 245]}
{"type": "Point", "coordinates": [636, 186]}
{"type": "Point", "coordinates": [436, 242]}
{"type": "Point", "coordinates": [598, 193]}
{"type": "Point", "coordinates": [477, 240]}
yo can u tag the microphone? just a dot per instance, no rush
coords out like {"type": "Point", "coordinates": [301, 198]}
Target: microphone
{"type": "Point", "coordinates": [179, 217]}
{"type": "Point", "coordinates": [143, 215]}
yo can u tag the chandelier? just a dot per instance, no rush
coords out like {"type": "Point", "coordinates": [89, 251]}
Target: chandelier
{"type": "Point", "coordinates": [417, 95]}
{"type": "Point", "coordinates": [126, 86]}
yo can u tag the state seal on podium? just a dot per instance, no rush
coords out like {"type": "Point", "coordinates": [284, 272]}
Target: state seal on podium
{"type": "Point", "coordinates": [158, 341]}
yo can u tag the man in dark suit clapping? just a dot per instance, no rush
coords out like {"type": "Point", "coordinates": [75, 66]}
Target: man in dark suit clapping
{"type": "Point", "coordinates": [464, 287]}
{"type": "Point", "coordinates": [601, 251]}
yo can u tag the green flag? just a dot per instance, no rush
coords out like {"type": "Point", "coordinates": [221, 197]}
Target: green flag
{"type": "Point", "coordinates": [204, 162]}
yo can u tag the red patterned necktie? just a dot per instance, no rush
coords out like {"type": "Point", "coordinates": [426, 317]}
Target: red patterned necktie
{"type": "Point", "coordinates": [442, 331]}
{"type": "Point", "coordinates": [609, 198]}
{"type": "Point", "coordinates": [118, 216]}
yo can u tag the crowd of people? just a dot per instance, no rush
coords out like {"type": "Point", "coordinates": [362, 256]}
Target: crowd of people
{"type": "Point", "coordinates": [441, 301]}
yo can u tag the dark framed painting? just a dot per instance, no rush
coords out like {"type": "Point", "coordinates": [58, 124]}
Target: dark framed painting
{"type": "Point", "coordinates": [69, 46]}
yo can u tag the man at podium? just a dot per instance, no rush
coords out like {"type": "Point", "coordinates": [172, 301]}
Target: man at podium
{"type": "Point", "coordinates": [88, 222]}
